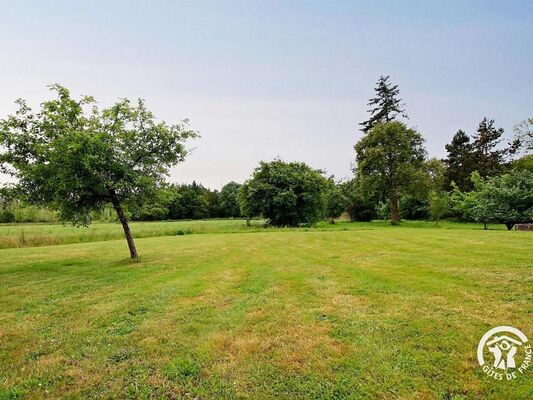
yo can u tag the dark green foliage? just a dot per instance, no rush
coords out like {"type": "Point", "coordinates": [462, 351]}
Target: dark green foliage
{"type": "Point", "coordinates": [412, 208]}
{"type": "Point", "coordinates": [286, 194]}
{"type": "Point", "coordinates": [359, 205]}
{"type": "Point", "coordinates": [6, 216]}
{"type": "Point", "coordinates": [389, 157]}
{"type": "Point", "coordinates": [429, 178]}
{"type": "Point", "coordinates": [189, 202]}
{"type": "Point", "coordinates": [483, 154]}
{"type": "Point", "coordinates": [186, 201]}
{"type": "Point", "coordinates": [152, 205]}
{"type": "Point", "coordinates": [460, 162]}
{"type": "Point", "coordinates": [247, 209]}
{"type": "Point", "coordinates": [6, 203]}
{"type": "Point", "coordinates": [335, 201]}
{"type": "Point", "coordinates": [229, 200]}
{"type": "Point", "coordinates": [488, 158]}
{"type": "Point", "coordinates": [386, 106]}
{"type": "Point", "coordinates": [213, 203]}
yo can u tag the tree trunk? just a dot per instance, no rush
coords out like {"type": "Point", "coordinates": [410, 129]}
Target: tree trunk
{"type": "Point", "coordinates": [485, 226]}
{"type": "Point", "coordinates": [509, 225]}
{"type": "Point", "coordinates": [124, 221]}
{"type": "Point", "coordinates": [394, 212]}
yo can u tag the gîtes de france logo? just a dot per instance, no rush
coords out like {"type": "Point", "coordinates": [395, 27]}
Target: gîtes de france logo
{"type": "Point", "coordinates": [508, 351]}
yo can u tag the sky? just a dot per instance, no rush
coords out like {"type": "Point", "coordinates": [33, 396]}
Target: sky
{"type": "Point", "coordinates": [267, 79]}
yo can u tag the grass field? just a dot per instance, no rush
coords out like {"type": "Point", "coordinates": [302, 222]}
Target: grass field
{"type": "Point", "coordinates": [347, 311]}
{"type": "Point", "coordinates": [31, 235]}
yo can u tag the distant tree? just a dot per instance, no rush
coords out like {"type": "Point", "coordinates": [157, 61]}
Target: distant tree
{"type": "Point", "coordinates": [488, 157]}
{"type": "Point", "coordinates": [504, 199]}
{"type": "Point", "coordinates": [385, 106]}
{"type": "Point", "coordinates": [524, 163]}
{"type": "Point", "coordinates": [213, 203]}
{"type": "Point", "coordinates": [247, 209]}
{"type": "Point", "coordinates": [76, 159]}
{"type": "Point", "coordinates": [388, 157]}
{"type": "Point", "coordinates": [436, 172]}
{"type": "Point", "coordinates": [152, 205]}
{"type": "Point", "coordinates": [438, 205]}
{"type": "Point", "coordinates": [7, 195]}
{"type": "Point", "coordinates": [7, 199]}
{"type": "Point", "coordinates": [459, 162]}
{"type": "Point", "coordinates": [429, 178]}
{"type": "Point", "coordinates": [359, 204]}
{"type": "Point", "coordinates": [484, 154]}
{"type": "Point", "coordinates": [229, 200]}
{"type": "Point", "coordinates": [335, 201]}
{"type": "Point", "coordinates": [524, 134]}
{"type": "Point", "coordinates": [189, 202]}
{"type": "Point", "coordinates": [286, 194]}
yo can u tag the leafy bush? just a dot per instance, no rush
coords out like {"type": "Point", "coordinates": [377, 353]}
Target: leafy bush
{"type": "Point", "coordinates": [438, 205]}
{"type": "Point", "coordinates": [335, 201]}
{"type": "Point", "coordinates": [412, 208]}
{"type": "Point", "coordinates": [6, 215]}
{"type": "Point", "coordinates": [229, 200]}
{"type": "Point", "coordinates": [505, 199]}
{"type": "Point", "coordinates": [286, 194]}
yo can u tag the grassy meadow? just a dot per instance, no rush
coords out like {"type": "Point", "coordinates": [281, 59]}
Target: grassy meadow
{"type": "Point", "coordinates": [355, 311]}
{"type": "Point", "coordinates": [35, 234]}
{"type": "Point", "coordinates": [31, 235]}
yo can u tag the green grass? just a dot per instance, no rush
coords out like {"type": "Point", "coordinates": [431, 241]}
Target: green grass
{"type": "Point", "coordinates": [32, 235]}
{"type": "Point", "coordinates": [347, 311]}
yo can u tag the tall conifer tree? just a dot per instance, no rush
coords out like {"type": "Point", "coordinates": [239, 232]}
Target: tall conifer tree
{"type": "Point", "coordinates": [385, 106]}
{"type": "Point", "coordinates": [488, 158]}
{"type": "Point", "coordinates": [459, 162]}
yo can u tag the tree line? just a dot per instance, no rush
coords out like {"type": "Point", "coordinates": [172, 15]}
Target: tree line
{"type": "Point", "coordinates": [81, 162]}
{"type": "Point", "coordinates": [168, 202]}
{"type": "Point", "coordinates": [393, 169]}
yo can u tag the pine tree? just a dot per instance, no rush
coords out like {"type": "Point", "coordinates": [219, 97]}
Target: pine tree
{"type": "Point", "coordinates": [386, 106]}
{"type": "Point", "coordinates": [488, 158]}
{"type": "Point", "coordinates": [459, 162]}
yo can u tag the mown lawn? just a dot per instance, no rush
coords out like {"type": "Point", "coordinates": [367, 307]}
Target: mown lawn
{"type": "Point", "coordinates": [319, 314]}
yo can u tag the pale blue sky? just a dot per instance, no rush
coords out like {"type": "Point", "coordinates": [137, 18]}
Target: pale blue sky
{"type": "Point", "coordinates": [261, 79]}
